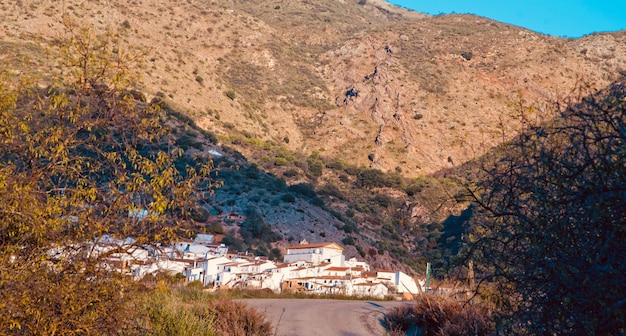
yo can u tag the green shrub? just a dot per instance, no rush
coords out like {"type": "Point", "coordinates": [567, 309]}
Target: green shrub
{"type": "Point", "coordinates": [382, 200]}
{"type": "Point", "coordinates": [303, 189]}
{"type": "Point", "coordinates": [288, 198]}
{"type": "Point", "coordinates": [360, 250]}
{"type": "Point", "coordinates": [414, 189]}
{"type": "Point", "coordinates": [332, 190]}
{"type": "Point", "coordinates": [335, 164]}
{"type": "Point", "coordinates": [279, 161]}
{"type": "Point", "coordinates": [349, 228]}
{"type": "Point", "coordinates": [231, 94]}
{"type": "Point", "coordinates": [348, 240]}
{"type": "Point", "coordinates": [290, 173]}
{"type": "Point", "coordinates": [371, 178]}
{"type": "Point", "coordinates": [317, 201]}
{"type": "Point", "coordinates": [255, 229]}
{"type": "Point", "coordinates": [234, 243]}
{"type": "Point", "coordinates": [279, 184]}
{"type": "Point", "coordinates": [352, 170]}
{"type": "Point", "coordinates": [350, 213]}
{"type": "Point", "coordinates": [215, 228]}
{"type": "Point", "coordinates": [275, 254]}
{"type": "Point", "coordinates": [316, 166]}
{"type": "Point", "coordinates": [252, 172]}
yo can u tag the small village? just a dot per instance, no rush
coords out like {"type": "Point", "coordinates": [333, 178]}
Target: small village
{"type": "Point", "coordinates": [310, 268]}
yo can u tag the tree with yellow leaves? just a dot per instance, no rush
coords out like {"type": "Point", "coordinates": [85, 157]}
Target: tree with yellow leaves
{"type": "Point", "coordinates": [76, 161]}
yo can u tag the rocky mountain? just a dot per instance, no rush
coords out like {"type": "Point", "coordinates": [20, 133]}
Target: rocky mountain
{"type": "Point", "coordinates": [346, 109]}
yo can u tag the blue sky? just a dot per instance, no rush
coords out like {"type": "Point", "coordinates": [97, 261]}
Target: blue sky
{"type": "Point", "coordinates": [571, 18]}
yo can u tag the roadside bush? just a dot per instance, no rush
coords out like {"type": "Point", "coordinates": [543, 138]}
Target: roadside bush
{"type": "Point", "coordinates": [438, 315]}
{"type": "Point", "coordinates": [190, 311]}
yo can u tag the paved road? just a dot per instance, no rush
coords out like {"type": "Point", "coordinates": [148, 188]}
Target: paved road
{"type": "Point", "coordinates": [311, 317]}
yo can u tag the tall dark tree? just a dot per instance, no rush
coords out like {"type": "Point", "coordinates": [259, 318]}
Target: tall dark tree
{"type": "Point", "coordinates": [550, 233]}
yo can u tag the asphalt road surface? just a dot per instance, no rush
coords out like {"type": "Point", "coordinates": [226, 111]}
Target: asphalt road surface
{"type": "Point", "coordinates": [311, 317]}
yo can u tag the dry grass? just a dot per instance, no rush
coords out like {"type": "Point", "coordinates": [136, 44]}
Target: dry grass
{"type": "Point", "coordinates": [191, 311]}
{"type": "Point", "coordinates": [439, 315]}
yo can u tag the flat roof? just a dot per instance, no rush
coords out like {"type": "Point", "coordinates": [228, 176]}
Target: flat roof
{"type": "Point", "coordinates": [316, 245]}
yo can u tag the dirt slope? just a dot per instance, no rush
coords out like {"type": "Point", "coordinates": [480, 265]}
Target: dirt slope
{"type": "Point", "coordinates": [370, 83]}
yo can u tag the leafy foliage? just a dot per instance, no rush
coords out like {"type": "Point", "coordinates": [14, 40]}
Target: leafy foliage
{"type": "Point", "coordinates": [80, 161]}
{"type": "Point", "coordinates": [303, 189]}
{"type": "Point", "coordinates": [372, 178]}
{"type": "Point", "coordinates": [255, 231]}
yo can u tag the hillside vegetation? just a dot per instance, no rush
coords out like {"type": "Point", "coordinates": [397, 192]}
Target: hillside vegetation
{"type": "Point", "coordinates": [348, 121]}
{"type": "Point", "coordinates": [372, 84]}
{"type": "Point", "coordinates": [358, 100]}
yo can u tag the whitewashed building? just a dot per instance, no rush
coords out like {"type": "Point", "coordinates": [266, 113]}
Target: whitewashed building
{"type": "Point", "coordinates": [316, 253]}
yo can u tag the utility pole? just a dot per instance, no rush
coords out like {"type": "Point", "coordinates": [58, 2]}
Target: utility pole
{"type": "Point", "coordinates": [470, 274]}
{"type": "Point", "coordinates": [427, 285]}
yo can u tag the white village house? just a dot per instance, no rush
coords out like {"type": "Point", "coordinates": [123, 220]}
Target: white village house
{"type": "Point", "coordinates": [316, 268]}
{"type": "Point", "coordinates": [316, 253]}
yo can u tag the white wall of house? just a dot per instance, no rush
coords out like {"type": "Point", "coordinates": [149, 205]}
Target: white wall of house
{"type": "Point", "coordinates": [194, 274]}
{"type": "Point", "coordinates": [354, 263]}
{"type": "Point", "coordinates": [321, 268]}
{"type": "Point", "coordinates": [377, 290]}
{"type": "Point", "coordinates": [167, 266]}
{"type": "Point", "coordinates": [276, 275]}
{"type": "Point", "coordinates": [406, 284]}
{"type": "Point", "coordinates": [316, 254]}
{"type": "Point", "coordinates": [210, 268]}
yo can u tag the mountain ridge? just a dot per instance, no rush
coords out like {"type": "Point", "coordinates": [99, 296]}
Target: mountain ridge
{"type": "Point", "coordinates": [438, 83]}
